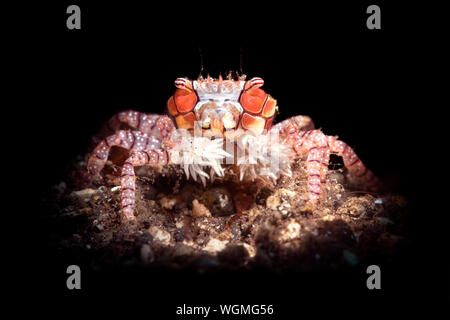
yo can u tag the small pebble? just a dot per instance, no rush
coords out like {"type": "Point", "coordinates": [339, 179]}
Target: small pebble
{"type": "Point", "coordinates": [273, 202]}
{"type": "Point", "coordinates": [160, 235]}
{"type": "Point", "coordinates": [102, 189]}
{"type": "Point", "coordinates": [215, 245]}
{"type": "Point", "coordinates": [219, 201]}
{"type": "Point", "coordinates": [286, 193]}
{"type": "Point", "coordinates": [85, 194]}
{"type": "Point", "coordinates": [251, 250]}
{"type": "Point", "coordinates": [199, 210]}
{"type": "Point", "coordinates": [168, 202]}
{"type": "Point", "coordinates": [291, 232]}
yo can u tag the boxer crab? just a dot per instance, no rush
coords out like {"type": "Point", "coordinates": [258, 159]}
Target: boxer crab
{"type": "Point", "coordinates": [213, 123]}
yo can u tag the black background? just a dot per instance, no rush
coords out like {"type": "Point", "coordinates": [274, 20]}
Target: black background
{"type": "Point", "coordinates": [317, 59]}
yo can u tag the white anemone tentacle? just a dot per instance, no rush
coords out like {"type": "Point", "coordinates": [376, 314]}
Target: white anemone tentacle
{"type": "Point", "coordinates": [196, 154]}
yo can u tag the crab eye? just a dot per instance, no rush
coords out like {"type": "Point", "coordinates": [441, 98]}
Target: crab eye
{"type": "Point", "coordinates": [256, 82]}
{"type": "Point", "coordinates": [182, 83]}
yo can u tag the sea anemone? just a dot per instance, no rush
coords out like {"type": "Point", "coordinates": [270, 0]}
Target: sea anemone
{"type": "Point", "coordinates": [262, 156]}
{"type": "Point", "coordinates": [195, 154]}
{"type": "Point", "coordinates": [258, 156]}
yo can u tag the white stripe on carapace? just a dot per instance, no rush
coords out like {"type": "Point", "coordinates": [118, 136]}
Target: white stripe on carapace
{"type": "Point", "coordinates": [181, 83]}
{"type": "Point", "coordinates": [256, 82]}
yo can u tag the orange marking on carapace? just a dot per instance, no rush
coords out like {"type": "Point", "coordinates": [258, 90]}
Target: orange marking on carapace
{"type": "Point", "coordinates": [252, 100]}
{"type": "Point", "coordinates": [253, 123]}
{"type": "Point", "coordinates": [185, 100]}
{"type": "Point", "coordinates": [268, 124]}
{"type": "Point", "coordinates": [186, 121]}
{"type": "Point", "coordinates": [269, 107]}
{"type": "Point", "coordinates": [171, 107]}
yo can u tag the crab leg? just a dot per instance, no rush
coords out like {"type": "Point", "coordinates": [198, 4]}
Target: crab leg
{"type": "Point", "coordinates": [153, 129]}
{"type": "Point", "coordinates": [316, 162]}
{"type": "Point", "coordinates": [292, 126]}
{"type": "Point", "coordinates": [152, 157]}
{"type": "Point", "coordinates": [130, 140]}
{"type": "Point", "coordinates": [317, 148]}
{"type": "Point", "coordinates": [313, 143]}
{"type": "Point", "coordinates": [149, 124]}
{"type": "Point", "coordinates": [354, 165]}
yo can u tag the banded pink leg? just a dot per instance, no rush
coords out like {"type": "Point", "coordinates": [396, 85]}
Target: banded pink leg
{"type": "Point", "coordinates": [289, 128]}
{"type": "Point", "coordinates": [153, 157]}
{"type": "Point", "coordinates": [148, 124]}
{"type": "Point", "coordinates": [313, 144]}
{"type": "Point", "coordinates": [130, 140]}
{"type": "Point", "coordinates": [317, 148]}
{"type": "Point", "coordinates": [354, 165]}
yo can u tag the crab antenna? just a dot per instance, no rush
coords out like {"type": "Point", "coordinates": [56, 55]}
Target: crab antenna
{"type": "Point", "coordinates": [201, 63]}
{"type": "Point", "coordinates": [240, 62]}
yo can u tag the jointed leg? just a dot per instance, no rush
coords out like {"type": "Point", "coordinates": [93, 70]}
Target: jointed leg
{"type": "Point", "coordinates": [316, 162]}
{"type": "Point", "coordinates": [354, 165]}
{"type": "Point", "coordinates": [152, 129]}
{"type": "Point", "coordinates": [130, 140]}
{"type": "Point", "coordinates": [313, 143]}
{"type": "Point", "coordinates": [153, 157]}
{"type": "Point", "coordinates": [317, 148]}
{"type": "Point", "coordinates": [150, 124]}
{"type": "Point", "coordinates": [290, 128]}
{"type": "Point", "coordinates": [145, 145]}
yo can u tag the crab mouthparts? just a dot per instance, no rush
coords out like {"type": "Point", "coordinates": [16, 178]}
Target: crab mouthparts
{"type": "Point", "coordinates": [217, 124]}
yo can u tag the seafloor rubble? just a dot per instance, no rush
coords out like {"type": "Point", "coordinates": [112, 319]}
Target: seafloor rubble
{"type": "Point", "coordinates": [224, 225]}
